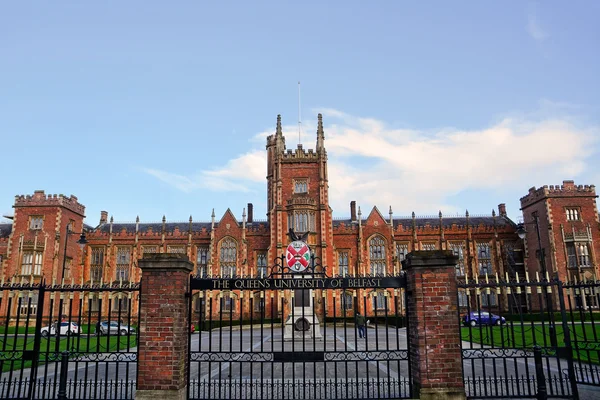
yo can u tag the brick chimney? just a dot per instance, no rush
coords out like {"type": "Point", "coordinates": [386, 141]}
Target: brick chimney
{"type": "Point", "coordinates": [250, 213]}
{"type": "Point", "coordinates": [353, 210]}
{"type": "Point", "coordinates": [103, 217]}
{"type": "Point", "coordinates": [502, 209]}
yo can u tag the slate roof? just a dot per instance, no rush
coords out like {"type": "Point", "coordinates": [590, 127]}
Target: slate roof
{"type": "Point", "coordinates": [5, 230]}
{"type": "Point", "coordinates": [406, 222]}
{"type": "Point", "coordinates": [156, 227]}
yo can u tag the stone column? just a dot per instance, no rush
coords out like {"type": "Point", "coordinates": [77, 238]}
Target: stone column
{"type": "Point", "coordinates": [164, 327]}
{"type": "Point", "coordinates": [433, 325]}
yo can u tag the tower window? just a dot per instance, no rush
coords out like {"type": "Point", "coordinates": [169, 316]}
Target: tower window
{"type": "Point", "coordinates": [36, 222]}
{"type": "Point", "coordinates": [300, 186]}
{"type": "Point", "coordinates": [572, 214]}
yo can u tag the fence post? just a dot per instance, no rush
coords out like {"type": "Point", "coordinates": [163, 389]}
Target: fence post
{"type": "Point", "coordinates": [434, 342]}
{"type": "Point", "coordinates": [567, 338]}
{"type": "Point", "coordinates": [64, 371]}
{"type": "Point", "coordinates": [542, 391]}
{"type": "Point", "coordinates": [164, 327]}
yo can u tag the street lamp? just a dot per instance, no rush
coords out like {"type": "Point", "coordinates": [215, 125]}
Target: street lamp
{"type": "Point", "coordinates": [81, 242]}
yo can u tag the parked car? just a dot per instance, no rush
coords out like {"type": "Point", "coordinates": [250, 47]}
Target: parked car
{"type": "Point", "coordinates": [66, 328]}
{"type": "Point", "coordinates": [475, 318]}
{"type": "Point", "coordinates": [114, 328]}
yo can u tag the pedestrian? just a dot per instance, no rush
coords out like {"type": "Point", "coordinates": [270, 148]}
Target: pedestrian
{"type": "Point", "coordinates": [360, 322]}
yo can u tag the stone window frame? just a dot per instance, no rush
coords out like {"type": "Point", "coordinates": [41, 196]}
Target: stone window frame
{"type": "Point", "coordinates": [176, 249]}
{"type": "Point", "coordinates": [32, 262]}
{"type": "Point", "coordinates": [36, 222]}
{"type": "Point", "coordinates": [300, 185]}
{"type": "Point", "coordinates": [347, 300]}
{"type": "Point", "coordinates": [343, 262]}
{"type": "Point", "coordinates": [302, 220]}
{"type": "Point", "coordinates": [484, 258]}
{"type": "Point", "coordinates": [428, 246]}
{"type": "Point", "coordinates": [228, 259]}
{"type": "Point", "coordinates": [228, 303]}
{"type": "Point", "coordinates": [261, 264]}
{"type": "Point", "coordinates": [377, 255]}
{"type": "Point", "coordinates": [29, 304]}
{"type": "Point", "coordinates": [124, 300]}
{"type": "Point", "coordinates": [259, 303]}
{"type": "Point", "coordinates": [573, 213]}
{"type": "Point", "coordinates": [376, 296]}
{"type": "Point", "coordinates": [402, 249]}
{"type": "Point", "coordinates": [122, 264]}
{"type": "Point", "coordinates": [459, 248]}
{"type": "Point", "coordinates": [202, 257]}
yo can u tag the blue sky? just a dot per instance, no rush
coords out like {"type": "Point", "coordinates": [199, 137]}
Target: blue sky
{"type": "Point", "coordinates": [152, 108]}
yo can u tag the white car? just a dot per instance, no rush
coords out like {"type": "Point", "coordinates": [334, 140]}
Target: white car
{"type": "Point", "coordinates": [66, 328]}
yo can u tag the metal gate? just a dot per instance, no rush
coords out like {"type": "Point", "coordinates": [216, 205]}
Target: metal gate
{"type": "Point", "coordinates": [68, 341]}
{"type": "Point", "coordinates": [517, 339]}
{"type": "Point", "coordinates": [298, 336]}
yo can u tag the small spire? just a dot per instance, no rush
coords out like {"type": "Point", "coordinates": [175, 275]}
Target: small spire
{"type": "Point", "coordinates": [279, 131]}
{"type": "Point", "coordinates": [164, 219]}
{"type": "Point", "coordinates": [320, 133]}
{"type": "Point", "coordinates": [137, 219]}
{"type": "Point", "coordinates": [467, 213]}
{"type": "Point", "coordinates": [359, 212]}
{"type": "Point", "coordinates": [413, 215]}
{"type": "Point", "coordinates": [112, 219]}
{"type": "Point", "coordinates": [493, 213]}
{"type": "Point", "coordinates": [440, 214]}
{"type": "Point", "coordinates": [213, 213]}
{"type": "Point", "coordinates": [190, 218]}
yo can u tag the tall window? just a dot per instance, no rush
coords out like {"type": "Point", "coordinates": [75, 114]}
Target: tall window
{"type": "Point", "coordinates": [300, 186]}
{"type": "Point", "coordinates": [458, 249]}
{"type": "Point", "coordinates": [379, 301]}
{"type": "Point", "coordinates": [347, 299]}
{"type": "Point", "coordinates": [463, 299]}
{"type": "Point", "coordinates": [429, 246]}
{"type": "Point", "coordinates": [227, 302]}
{"type": "Point", "coordinates": [572, 214]}
{"type": "Point", "coordinates": [31, 263]}
{"type": "Point", "coordinates": [228, 257]}
{"type": "Point", "coordinates": [488, 300]}
{"type": "Point", "coordinates": [123, 302]}
{"type": "Point", "coordinates": [97, 263]}
{"type": "Point", "coordinates": [36, 222]}
{"type": "Point", "coordinates": [123, 260]}
{"type": "Point", "coordinates": [176, 249]}
{"type": "Point", "coordinates": [343, 263]}
{"type": "Point", "coordinates": [484, 258]}
{"type": "Point", "coordinates": [302, 221]}
{"type": "Point", "coordinates": [29, 304]}
{"type": "Point", "coordinates": [202, 261]}
{"type": "Point", "coordinates": [377, 255]}
{"type": "Point", "coordinates": [94, 302]}
{"type": "Point", "coordinates": [584, 254]}
{"type": "Point", "coordinates": [401, 250]}
{"type": "Point", "coordinates": [261, 264]}
{"type": "Point", "coordinates": [259, 303]}
{"type": "Point", "coordinates": [68, 269]}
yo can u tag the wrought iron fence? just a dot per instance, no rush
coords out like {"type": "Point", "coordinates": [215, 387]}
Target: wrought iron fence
{"type": "Point", "coordinates": [68, 341]}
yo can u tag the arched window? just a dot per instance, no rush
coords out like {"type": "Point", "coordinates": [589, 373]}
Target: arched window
{"type": "Point", "coordinates": [228, 257]}
{"type": "Point", "coordinates": [377, 255]}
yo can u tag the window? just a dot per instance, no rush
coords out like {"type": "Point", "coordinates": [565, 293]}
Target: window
{"type": "Point", "coordinates": [571, 255]}
{"type": "Point", "coordinates": [202, 261]}
{"type": "Point", "coordinates": [379, 301]}
{"type": "Point", "coordinates": [36, 222]}
{"type": "Point", "coordinates": [584, 254]}
{"type": "Point", "coordinates": [228, 257]}
{"type": "Point", "coordinates": [94, 303]}
{"type": "Point", "coordinates": [428, 246]}
{"type": "Point", "coordinates": [484, 258]}
{"type": "Point", "coordinates": [259, 303]}
{"type": "Point", "coordinates": [401, 251]}
{"type": "Point", "coordinates": [199, 305]}
{"type": "Point", "coordinates": [29, 304]}
{"type": "Point", "coordinates": [97, 264]}
{"type": "Point", "coordinates": [458, 250]}
{"type": "Point", "coordinates": [343, 263]}
{"type": "Point", "coordinates": [123, 260]}
{"type": "Point", "coordinates": [227, 302]}
{"type": "Point", "coordinates": [377, 255]}
{"type": "Point", "coordinates": [176, 249]}
{"type": "Point", "coordinates": [302, 221]}
{"type": "Point", "coordinates": [300, 186]}
{"type": "Point", "coordinates": [572, 214]}
{"type": "Point", "coordinates": [31, 263]}
{"type": "Point", "coordinates": [347, 300]}
{"type": "Point", "coordinates": [261, 265]}
{"type": "Point", "coordinates": [488, 300]}
{"type": "Point", "coordinates": [120, 301]}
{"type": "Point", "coordinates": [463, 299]}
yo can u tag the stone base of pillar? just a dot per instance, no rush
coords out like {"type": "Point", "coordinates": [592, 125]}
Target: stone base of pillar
{"type": "Point", "coordinates": [312, 321]}
{"type": "Point", "coordinates": [180, 394]}
{"type": "Point", "coordinates": [442, 394]}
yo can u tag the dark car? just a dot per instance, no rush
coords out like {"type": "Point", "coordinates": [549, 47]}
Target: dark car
{"type": "Point", "coordinates": [482, 318]}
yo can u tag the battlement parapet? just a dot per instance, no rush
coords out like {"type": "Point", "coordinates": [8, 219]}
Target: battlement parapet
{"type": "Point", "coordinates": [299, 155]}
{"type": "Point", "coordinates": [567, 189]}
{"type": "Point", "coordinates": [40, 199]}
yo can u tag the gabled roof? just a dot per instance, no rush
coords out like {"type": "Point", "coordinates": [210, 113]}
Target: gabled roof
{"type": "Point", "coordinates": [5, 230]}
{"type": "Point", "coordinates": [156, 227]}
{"type": "Point", "coordinates": [406, 222]}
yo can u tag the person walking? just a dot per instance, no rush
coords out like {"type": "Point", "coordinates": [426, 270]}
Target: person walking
{"type": "Point", "coordinates": [360, 322]}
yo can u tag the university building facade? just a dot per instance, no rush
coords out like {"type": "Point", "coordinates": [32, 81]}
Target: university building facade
{"type": "Point", "coordinates": [40, 243]}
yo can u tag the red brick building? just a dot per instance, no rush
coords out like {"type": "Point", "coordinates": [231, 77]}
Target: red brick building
{"type": "Point", "coordinates": [32, 247]}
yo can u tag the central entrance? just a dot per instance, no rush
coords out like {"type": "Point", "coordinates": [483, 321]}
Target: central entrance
{"type": "Point", "coordinates": [243, 348]}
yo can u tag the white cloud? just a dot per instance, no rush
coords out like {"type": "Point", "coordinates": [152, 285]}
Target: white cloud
{"type": "Point", "coordinates": [534, 28]}
{"type": "Point", "coordinates": [376, 164]}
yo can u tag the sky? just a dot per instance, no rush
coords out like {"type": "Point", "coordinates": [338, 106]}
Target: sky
{"type": "Point", "coordinates": [145, 108]}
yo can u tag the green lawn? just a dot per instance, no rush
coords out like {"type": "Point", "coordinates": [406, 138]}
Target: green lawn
{"type": "Point", "coordinates": [528, 335]}
{"type": "Point", "coordinates": [12, 347]}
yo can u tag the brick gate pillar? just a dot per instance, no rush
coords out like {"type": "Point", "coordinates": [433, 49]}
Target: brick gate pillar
{"type": "Point", "coordinates": [164, 327]}
{"type": "Point", "coordinates": [433, 326]}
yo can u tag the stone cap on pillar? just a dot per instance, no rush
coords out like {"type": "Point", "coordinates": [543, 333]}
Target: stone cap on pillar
{"type": "Point", "coordinates": [171, 261]}
{"type": "Point", "coordinates": [432, 258]}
